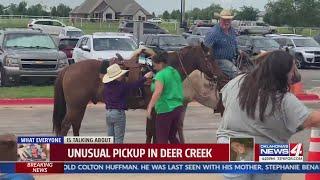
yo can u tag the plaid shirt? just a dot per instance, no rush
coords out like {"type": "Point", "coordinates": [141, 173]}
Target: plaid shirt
{"type": "Point", "coordinates": [224, 45]}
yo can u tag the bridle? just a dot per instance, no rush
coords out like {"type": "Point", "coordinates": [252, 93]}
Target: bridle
{"type": "Point", "coordinates": [214, 81]}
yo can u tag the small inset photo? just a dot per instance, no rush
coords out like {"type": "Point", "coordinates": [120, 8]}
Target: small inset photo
{"type": "Point", "coordinates": [33, 152]}
{"type": "Point", "coordinates": [241, 149]}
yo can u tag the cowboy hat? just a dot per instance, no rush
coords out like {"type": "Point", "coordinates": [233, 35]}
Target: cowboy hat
{"type": "Point", "coordinates": [113, 72]}
{"type": "Point", "coordinates": [225, 14]}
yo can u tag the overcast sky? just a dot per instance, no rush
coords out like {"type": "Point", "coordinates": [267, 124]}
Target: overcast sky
{"type": "Point", "coordinates": [158, 6]}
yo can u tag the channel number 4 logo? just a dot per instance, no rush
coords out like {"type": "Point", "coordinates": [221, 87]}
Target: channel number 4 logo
{"type": "Point", "coordinates": [296, 150]}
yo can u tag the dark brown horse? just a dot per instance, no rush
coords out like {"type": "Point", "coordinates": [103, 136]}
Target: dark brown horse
{"type": "Point", "coordinates": [80, 83]}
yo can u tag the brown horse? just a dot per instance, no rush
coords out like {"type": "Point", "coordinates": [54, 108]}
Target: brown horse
{"type": "Point", "coordinates": [80, 83]}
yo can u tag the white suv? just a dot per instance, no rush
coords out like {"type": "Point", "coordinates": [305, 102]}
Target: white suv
{"type": "Point", "coordinates": [50, 26]}
{"type": "Point", "coordinates": [102, 46]}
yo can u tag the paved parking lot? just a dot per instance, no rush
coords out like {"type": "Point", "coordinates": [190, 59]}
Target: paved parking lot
{"type": "Point", "coordinates": [200, 127]}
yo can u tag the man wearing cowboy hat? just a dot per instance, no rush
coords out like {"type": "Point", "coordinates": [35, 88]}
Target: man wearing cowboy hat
{"type": "Point", "coordinates": [115, 94]}
{"type": "Point", "coordinates": [222, 40]}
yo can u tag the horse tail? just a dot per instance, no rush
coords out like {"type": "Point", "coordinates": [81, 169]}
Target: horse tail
{"type": "Point", "coordinates": [59, 108]}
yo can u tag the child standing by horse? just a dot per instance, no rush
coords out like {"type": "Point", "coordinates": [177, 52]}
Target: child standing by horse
{"type": "Point", "coordinates": [115, 93]}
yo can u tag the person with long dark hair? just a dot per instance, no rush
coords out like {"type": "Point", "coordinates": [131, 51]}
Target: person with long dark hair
{"type": "Point", "coordinates": [259, 104]}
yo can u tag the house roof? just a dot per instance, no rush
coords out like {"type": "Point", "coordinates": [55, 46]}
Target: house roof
{"type": "Point", "coordinates": [126, 7]}
{"type": "Point", "coordinates": [86, 7]}
{"type": "Point", "coordinates": [133, 8]}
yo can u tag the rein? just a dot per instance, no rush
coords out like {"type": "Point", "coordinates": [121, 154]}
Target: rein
{"type": "Point", "coordinates": [214, 81]}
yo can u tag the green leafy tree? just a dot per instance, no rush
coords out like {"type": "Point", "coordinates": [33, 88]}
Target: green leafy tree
{"type": "Point", "coordinates": [247, 13]}
{"type": "Point", "coordinates": [63, 10]}
{"type": "Point", "coordinates": [175, 14]}
{"type": "Point", "coordinates": [166, 15]}
{"type": "Point", "coordinates": [22, 8]}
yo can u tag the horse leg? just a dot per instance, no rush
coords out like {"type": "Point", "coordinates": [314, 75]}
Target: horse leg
{"type": "Point", "coordinates": [151, 128]}
{"type": "Point", "coordinates": [180, 125]}
{"type": "Point", "coordinates": [148, 131]}
{"type": "Point", "coordinates": [65, 124]}
{"type": "Point", "coordinates": [77, 115]}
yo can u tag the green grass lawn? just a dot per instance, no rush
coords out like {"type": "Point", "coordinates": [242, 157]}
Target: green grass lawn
{"type": "Point", "coordinates": [26, 92]}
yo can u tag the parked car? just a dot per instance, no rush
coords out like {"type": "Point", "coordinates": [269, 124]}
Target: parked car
{"type": "Point", "coordinates": [253, 27]}
{"type": "Point", "coordinates": [155, 20]}
{"type": "Point", "coordinates": [71, 32]}
{"type": "Point", "coordinates": [254, 45]}
{"type": "Point", "coordinates": [305, 49]}
{"type": "Point", "coordinates": [50, 26]}
{"type": "Point", "coordinates": [67, 46]}
{"type": "Point", "coordinates": [28, 55]}
{"type": "Point", "coordinates": [317, 38]}
{"type": "Point", "coordinates": [195, 40]}
{"type": "Point", "coordinates": [102, 46]}
{"type": "Point", "coordinates": [167, 42]}
{"type": "Point", "coordinates": [148, 28]}
{"type": "Point", "coordinates": [197, 36]}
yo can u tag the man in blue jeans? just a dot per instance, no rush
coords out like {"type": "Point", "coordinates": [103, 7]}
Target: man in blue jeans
{"type": "Point", "coordinates": [222, 40]}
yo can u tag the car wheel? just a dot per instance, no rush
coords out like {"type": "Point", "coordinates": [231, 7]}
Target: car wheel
{"type": "Point", "coordinates": [4, 78]}
{"type": "Point", "coordinates": [299, 61]}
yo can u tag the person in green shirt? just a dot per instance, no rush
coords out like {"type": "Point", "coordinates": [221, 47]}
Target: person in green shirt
{"type": "Point", "coordinates": [167, 99]}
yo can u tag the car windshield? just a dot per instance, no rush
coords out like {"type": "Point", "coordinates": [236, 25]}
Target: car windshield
{"type": "Point", "coordinates": [265, 43]}
{"type": "Point", "coordinates": [172, 41]}
{"type": "Point", "coordinates": [107, 44]}
{"type": "Point", "coordinates": [74, 33]}
{"type": "Point", "coordinates": [20, 40]}
{"type": "Point", "coordinates": [203, 31]}
{"type": "Point", "coordinates": [71, 43]}
{"type": "Point", "coordinates": [305, 43]}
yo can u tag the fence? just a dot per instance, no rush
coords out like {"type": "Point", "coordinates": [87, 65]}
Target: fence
{"type": "Point", "coordinates": [88, 25]}
{"type": "Point", "coordinates": [305, 31]}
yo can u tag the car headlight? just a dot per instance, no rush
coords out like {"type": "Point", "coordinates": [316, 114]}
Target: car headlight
{"type": "Point", "coordinates": [63, 63]}
{"type": "Point", "coordinates": [12, 62]}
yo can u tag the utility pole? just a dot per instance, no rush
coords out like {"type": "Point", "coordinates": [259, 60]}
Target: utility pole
{"type": "Point", "coordinates": [183, 8]}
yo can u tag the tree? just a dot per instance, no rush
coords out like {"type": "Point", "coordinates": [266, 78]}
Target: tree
{"type": "Point", "coordinates": [22, 8]}
{"type": "Point", "coordinates": [11, 9]}
{"type": "Point", "coordinates": [175, 14]}
{"type": "Point", "coordinates": [247, 13]}
{"type": "Point", "coordinates": [153, 15]}
{"type": "Point", "coordinates": [166, 15]}
{"type": "Point", "coordinates": [204, 14]}
{"type": "Point", "coordinates": [54, 11]}
{"type": "Point", "coordinates": [37, 10]}
{"type": "Point", "coordinates": [63, 10]}
{"type": "Point", "coordinates": [1, 9]}
{"type": "Point", "coordinates": [281, 12]}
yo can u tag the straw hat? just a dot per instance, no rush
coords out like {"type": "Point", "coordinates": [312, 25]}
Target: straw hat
{"type": "Point", "coordinates": [225, 14]}
{"type": "Point", "coordinates": [113, 72]}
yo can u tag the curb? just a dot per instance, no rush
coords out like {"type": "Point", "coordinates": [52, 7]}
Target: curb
{"type": "Point", "coordinates": [27, 101]}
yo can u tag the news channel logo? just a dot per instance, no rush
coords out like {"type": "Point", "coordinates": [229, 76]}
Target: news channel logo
{"type": "Point", "coordinates": [292, 152]}
{"type": "Point", "coordinates": [241, 149]}
{"type": "Point", "coordinates": [33, 152]}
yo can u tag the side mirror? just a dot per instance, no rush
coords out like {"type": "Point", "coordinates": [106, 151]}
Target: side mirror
{"type": "Point", "coordinates": [85, 48]}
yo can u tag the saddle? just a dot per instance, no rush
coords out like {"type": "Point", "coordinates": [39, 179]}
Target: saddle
{"type": "Point", "coordinates": [136, 97]}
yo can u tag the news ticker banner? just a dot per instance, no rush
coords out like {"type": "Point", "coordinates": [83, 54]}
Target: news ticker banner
{"type": "Point", "coordinates": [97, 149]}
{"type": "Point", "coordinates": [232, 168]}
